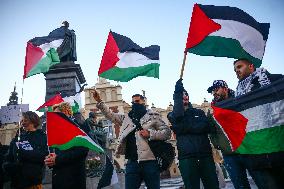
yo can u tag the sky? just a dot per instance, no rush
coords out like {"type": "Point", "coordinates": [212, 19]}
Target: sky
{"type": "Point", "coordinates": [146, 22]}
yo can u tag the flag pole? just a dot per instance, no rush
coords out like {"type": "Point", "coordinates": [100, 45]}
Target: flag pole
{"type": "Point", "coordinates": [46, 109]}
{"type": "Point", "coordinates": [22, 94]}
{"type": "Point", "coordinates": [183, 63]}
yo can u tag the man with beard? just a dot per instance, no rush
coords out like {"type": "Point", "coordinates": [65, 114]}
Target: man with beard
{"type": "Point", "coordinates": [268, 168]}
{"type": "Point", "coordinates": [251, 78]}
{"type": "Point", "coordinates": [235, 163]}
{"type": "Point", "coordinates": [192, 127]}
{"type": "Point", "coordinates": [137, 128]}
{"type": "Point", "coordinates": [220, 91]}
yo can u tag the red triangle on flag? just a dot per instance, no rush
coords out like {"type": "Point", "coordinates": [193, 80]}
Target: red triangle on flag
{"type": "Point", "coordinates": [33, 56]}
{"type": "Point", "coordinates": [233, 124]}
{"type": "Point", "coordinates": [61, 129]}
{"type": "Point", "coordinates": [200, 27]}
{"type": "Point", "coordinates": [52, 101]}
{"type": "Point", "coordinates": [109, 58]}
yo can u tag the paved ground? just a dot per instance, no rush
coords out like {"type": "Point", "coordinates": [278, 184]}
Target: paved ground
{"type": "Point", "coordinates": [172, 183]}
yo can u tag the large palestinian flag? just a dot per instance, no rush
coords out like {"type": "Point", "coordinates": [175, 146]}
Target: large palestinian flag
{"type": "Point", "coordinates": [63, 133]}
{"type": "Point", "coordinates": [223, 31]}
{"type": "Point", "coordinates": [254, 123]}
{"type": "Point", "coordinates": [124, 60]}
{"type": "Point", "coordinates": [43, 52]}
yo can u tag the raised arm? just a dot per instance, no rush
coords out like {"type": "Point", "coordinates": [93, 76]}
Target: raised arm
{"type": "Point", "coordinates": [114, 117]}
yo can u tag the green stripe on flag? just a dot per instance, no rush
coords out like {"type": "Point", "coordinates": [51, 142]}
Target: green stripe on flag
{"type": "Point", "coordinates": [263, 141]}
{"type": "Point", "coordinates": [126, 74]}
{"type": "Point", "coordinates": [45, 63]}
{"type": "Point", "coordinates": [223, 47]}
{"type": "Point", "coordinates": [49, 109]}
{"type": "Point", "coordinates": [79, 141]}
{"type": "Point", "coordinates": [75, 107]}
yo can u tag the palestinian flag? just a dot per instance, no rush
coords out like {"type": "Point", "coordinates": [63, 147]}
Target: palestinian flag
{"type": "Point", "coordinates": [223, 31]}
{"type": "Point", "coordinates": [74, 101]}
{"type": "Point", "coordinates": [43, 52]}
{"type": "Point", "coordinates": [63, 133]}
{"type": "Point", "coordinates": [254, 123]}
{"type": "Point", "coordinates": [124, 60]}
{"type": "Point", "coordinates": [47, 106]}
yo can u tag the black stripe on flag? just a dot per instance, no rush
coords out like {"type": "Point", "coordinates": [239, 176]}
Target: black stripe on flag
{"type": "Point", "coordinates": [267, 94]}
{"type": "Point", "coordinates": [236, 14]}
{"type": "Point", "coordinates": [126, 44]}
{"type": "Point", "coordinates": [56, 34]}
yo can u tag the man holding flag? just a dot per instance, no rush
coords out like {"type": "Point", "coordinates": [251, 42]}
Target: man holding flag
{"type": "Point", "coordinates": [236, 164]}
{"type": "Point", "coordinates": [268, 165]}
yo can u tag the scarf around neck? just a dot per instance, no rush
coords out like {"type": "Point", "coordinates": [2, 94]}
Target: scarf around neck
{"type": "Point", "coordinates": [245, 85]}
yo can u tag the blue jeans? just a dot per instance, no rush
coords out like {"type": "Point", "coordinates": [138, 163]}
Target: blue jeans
{"type": "Point", "coordinates": [136, 172]}
{"type": "Point", "coordinates": [237, 164]}
{"type": "Point", "coordinates": [237, 171]}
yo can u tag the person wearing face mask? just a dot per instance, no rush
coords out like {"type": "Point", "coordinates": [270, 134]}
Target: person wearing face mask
{"type": "Point", "coordinates": [192, 127]}
{"type": "Point", "coordinates": [24, 162]}
{"type": "Point", "coordinates": [137, 128]}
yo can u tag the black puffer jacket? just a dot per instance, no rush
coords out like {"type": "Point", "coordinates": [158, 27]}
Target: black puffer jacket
{"type": "Point", "coordinates": [191, 127]}
{"type": "Point", "coordinates": [25, 165]}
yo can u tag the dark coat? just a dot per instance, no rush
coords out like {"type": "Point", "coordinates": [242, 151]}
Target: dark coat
{"type": "Point", "coordinates": [69, 170]}
{"type": "Point", "coordinates": [3, 151]}
{"type": "Point", "coordinates": [25, 165]}
{"type": "Point", "coordinates": [191, 127]}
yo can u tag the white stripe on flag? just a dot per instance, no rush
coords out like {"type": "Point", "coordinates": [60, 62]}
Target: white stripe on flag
{"type": "Point", "coordinates": [53, 44]}
{"type": "Point", "coordinates": [250, 39]}
{"type": "Point", "coordinates": [264, 116]}
{"type": "Point", "coordinates": [133, 59]}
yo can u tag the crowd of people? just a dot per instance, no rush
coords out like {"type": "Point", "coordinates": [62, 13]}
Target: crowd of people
{"type": "Point", "coordinates": [198, 137]}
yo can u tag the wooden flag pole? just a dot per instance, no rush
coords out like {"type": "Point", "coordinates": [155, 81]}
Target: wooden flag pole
{"type": "Point", "coordinates": [183, 63]}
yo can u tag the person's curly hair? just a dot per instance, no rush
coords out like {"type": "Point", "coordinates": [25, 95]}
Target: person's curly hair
{"type": "Point", "coordinates": [32, 117]}
{"type": "Point", "coordinates": [64, 107]}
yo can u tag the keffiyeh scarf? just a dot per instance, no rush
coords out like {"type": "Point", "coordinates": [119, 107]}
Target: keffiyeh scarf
{"type": "Point", "coordinates": [246, 85]}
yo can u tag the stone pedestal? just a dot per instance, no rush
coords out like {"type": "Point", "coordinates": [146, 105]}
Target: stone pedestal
{"type": "Point", "coordinates": [65, 78]}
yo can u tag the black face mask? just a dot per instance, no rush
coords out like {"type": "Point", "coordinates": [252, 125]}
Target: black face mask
{"type": "Point", "coordinates": [138, 109]}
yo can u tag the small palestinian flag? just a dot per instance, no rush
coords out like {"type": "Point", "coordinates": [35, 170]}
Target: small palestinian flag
{"type": "Point", "coordinates": [42, 52]}
{"type": "Point", "coordinates": [47, 106]}
{"type": "Point", "coordinates": [74, 101]}
{"type": "Point", "coordinates": [253, 123]}
{"type": "Point", "coordinates": [224, 31]}
{"type": "Point", "coordinates": [63, 133]}
{"type": "Point", "coordinates": [124, 60]}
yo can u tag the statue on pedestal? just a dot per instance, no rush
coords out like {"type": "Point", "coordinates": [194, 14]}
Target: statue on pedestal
{"type": "Point", "coordinates": [67, 50]}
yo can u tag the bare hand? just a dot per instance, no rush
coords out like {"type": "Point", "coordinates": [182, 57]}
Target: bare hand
{"type": "Point", "coordinates": [50, 159]}
{"type": "Point", "coordinates": [145, 133]}
{"type": "Point", "coordinates": [96, 95]}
